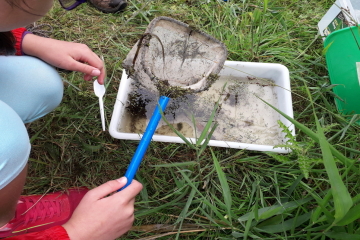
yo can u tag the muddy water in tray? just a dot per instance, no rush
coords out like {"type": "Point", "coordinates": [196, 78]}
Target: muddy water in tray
{"type": "Point", "coordinates": [242, 117]}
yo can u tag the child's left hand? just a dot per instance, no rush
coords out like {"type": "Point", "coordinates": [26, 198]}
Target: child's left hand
{"type": "Point", "coordinates": [65, 55]}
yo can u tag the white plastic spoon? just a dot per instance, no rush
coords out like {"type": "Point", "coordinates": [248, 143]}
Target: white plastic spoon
{"type": "Point", "coordinates": [99, 92]}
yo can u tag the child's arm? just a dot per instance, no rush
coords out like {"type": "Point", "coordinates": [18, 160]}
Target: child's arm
{"type": "Point", "coordinates": [97, 216]}
{"type": "Point", "coordinates": [65, 55]}
{"type": "Point", "coordinates": [101, 217]}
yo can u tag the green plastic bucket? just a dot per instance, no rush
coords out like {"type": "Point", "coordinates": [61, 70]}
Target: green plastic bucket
{"type": "Point", "coordinates": [343, 62]}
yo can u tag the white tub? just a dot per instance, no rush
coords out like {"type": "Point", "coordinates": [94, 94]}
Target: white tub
{"type": "Point", "coordinates": [277, 73]}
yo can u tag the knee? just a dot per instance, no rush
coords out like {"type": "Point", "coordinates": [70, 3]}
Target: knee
{"type": "Point", "coordinates": [45, 79]}
{"type": "Point", "coordinates": [14, 145]}
{"type": "Point", "coordinates": [30, 86]}
{"type": "Point", "coordinates": [32, 74]}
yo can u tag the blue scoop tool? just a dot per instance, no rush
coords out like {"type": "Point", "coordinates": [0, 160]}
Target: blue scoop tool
{"type": "Point", "coordinates": [145, 140]}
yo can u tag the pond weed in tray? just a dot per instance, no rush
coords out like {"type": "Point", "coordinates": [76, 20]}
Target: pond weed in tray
{"type": "Point", "coordinates": [244, 120]}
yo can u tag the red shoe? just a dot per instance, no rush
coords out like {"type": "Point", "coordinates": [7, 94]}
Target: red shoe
{"type": "Point", "coordinates": [39, 212]}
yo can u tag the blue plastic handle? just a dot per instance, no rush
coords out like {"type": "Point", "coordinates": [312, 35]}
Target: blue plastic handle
{"type": "Point", "coordinates": [145, 141]}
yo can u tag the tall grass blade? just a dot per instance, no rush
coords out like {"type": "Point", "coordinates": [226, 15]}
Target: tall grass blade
{"type": "Point", "coordinates": [342, 198]}
{"type": "Point", "coordinates": [276, 209]}
{"type": "Point", "coordinates": [185, 210]}
{"type": "Point", "coordinates": [352, 215]}
{"type": "Point", "coordinates": [186, 207]}
{"type": "Point", "coordinates": [205, 131]}
{"type": "Point", "coordinates": [188, 143]}
{"type": "Point", "coordinates": [272, 221]}
{"type": "Point", "coordinates": [224, 185]}
{"type": "Point", "coordinates": [248, 226]}
{"type": "Point", "coordinates": [341, 195]}
{"type": "Point", "coordinates": [322, 208]}
{"type": "Point", "coordinates": [207, 139]}
{"type": "Point", "coordinates": [256, 205]}
{"type": "Point", "coordinates": [291, 189]}
{"type": "Point", "coordinates": [286, 225]}
{"type": "Point", "coordinates": [351, 122]}
{"type": "Point", "coordinates": [266, 2]}
{"type": "Point", "coordinates": [342, 236]}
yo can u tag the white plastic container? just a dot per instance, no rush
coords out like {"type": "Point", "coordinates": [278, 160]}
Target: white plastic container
{"type": "Point", "coordinates": [276, 73]}
{"type": "Point", "coordinates": [342, 14]}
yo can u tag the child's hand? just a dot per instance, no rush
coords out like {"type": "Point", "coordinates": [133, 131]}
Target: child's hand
{"type": "Point", "coordinates": [106, 218]}
{"type": "Point", "coordinates": [65, 55]}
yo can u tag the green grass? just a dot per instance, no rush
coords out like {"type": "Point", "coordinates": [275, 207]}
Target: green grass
{"type": "Point", "coordinates": [195, 191]}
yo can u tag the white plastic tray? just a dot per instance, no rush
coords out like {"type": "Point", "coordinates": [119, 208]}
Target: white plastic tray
{"type": "Point", "coordinates": [278, 73]}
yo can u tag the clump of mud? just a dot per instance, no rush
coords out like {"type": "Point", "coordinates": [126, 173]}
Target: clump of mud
{"type": "Point", "coordinates": [211, 79]}
{"type": "Point", "coordinates": [165, 89]}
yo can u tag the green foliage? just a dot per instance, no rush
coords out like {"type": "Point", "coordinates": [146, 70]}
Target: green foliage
{"type": "Point", "coordinates": [300, 151]}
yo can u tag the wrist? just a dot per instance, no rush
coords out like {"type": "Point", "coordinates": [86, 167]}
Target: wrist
{"type": "Point", "coordinates": [22, 39]}
{"type": "Point", "coordinates": [73, 232]}
{"type": "Point", "coordinates": [31, 44]}
{"type": "Point", "coordinates": [69, 230]}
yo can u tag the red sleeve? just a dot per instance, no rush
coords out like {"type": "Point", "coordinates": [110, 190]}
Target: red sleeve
{"type": "Point", "coordinates": [18, 34]}
{"type": "Point", "coordinates": [53, 233]}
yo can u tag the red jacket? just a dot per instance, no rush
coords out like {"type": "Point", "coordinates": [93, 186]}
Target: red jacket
{"type": "Point", "coordinates": [18, 34]}
{"type": "Point", "coordinates": [53, 233]}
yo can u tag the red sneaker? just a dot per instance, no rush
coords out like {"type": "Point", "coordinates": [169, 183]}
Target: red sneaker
{"type": "Point", "coordinates": [39, 212]}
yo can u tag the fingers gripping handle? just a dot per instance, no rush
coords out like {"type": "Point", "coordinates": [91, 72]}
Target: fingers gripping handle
{"type": "Point", "coordinates": [145, 140]}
